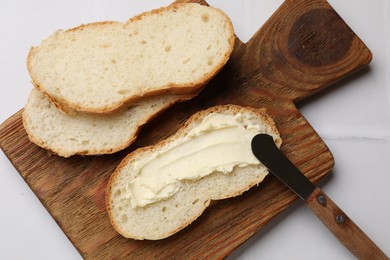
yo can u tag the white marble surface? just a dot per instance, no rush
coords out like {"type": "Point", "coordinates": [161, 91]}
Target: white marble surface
{"type": "Point", "coordinates": [353, 118]}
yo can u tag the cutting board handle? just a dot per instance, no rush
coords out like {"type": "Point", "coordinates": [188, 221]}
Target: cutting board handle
{"type": "Point", "coordinates": [302, 53]}
{"type": "Point", "coordinates": [346, 231]}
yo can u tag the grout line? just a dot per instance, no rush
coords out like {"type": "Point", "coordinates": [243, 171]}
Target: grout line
{"type": "Point", "coordinates": [374, 138]}
{"type": "Point", "coordinates": [386, 20]}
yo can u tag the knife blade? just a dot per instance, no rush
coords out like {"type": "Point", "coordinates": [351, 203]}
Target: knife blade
{"type": "Point", "coordinates": [346, 231]}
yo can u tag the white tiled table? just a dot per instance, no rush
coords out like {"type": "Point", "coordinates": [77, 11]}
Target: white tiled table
{"type": "Point", "coordinates": [353, 118]}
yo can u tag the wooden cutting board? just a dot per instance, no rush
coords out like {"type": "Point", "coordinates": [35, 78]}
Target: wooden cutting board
{"type": "Point", "coordinates": [304, 47]}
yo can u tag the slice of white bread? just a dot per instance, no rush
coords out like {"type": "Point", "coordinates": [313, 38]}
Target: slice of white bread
{"type": "Point", "coordinates": [163, 218]}
{"type": "Point", "coordinates": [99, 67]}
{"type": "Point", "coordinates": [88, 133]}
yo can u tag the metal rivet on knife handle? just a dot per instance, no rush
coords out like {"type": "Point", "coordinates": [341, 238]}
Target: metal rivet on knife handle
{"type": "Point", "coordinates": [340, 219]}
{"type": "Point", "coordinates": [321, 199]}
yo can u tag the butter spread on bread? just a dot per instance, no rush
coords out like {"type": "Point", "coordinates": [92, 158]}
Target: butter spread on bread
{"type": "Point", "coordinates": [209, 158]}
{"type": "Point", "coordinates": [218, 143]}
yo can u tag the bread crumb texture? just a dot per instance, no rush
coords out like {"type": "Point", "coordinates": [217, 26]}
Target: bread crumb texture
{"type": "Point", "coordinates": [87, 133]}
{"type": "Point", "coordinates": [99, 67]}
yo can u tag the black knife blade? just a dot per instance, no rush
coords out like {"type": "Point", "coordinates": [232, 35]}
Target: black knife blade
{"type": "Point", "coordinates": [267, 152]}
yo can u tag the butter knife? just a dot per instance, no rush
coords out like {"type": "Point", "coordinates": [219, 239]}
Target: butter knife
{"type": "Point", "coordinates": [346, 231]}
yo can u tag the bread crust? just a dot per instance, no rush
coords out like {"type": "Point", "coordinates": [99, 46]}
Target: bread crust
{"type": "Point", "coordinates": [178, 89]}
{"type": "Point", "coordinates": [233, 109]}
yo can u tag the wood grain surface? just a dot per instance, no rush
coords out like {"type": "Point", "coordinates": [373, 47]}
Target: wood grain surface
{"type": "Point", "coordinates": [304, 47]}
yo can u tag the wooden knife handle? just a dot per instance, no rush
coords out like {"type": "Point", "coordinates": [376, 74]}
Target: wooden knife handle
{"type": "Point", "coordinates": [346, 231]}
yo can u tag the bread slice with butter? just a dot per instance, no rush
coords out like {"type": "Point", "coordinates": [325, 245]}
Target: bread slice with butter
{"type": "Point", "coordinates": [158, 190]}
{"type": "Point", "coordinates": [88, 133]}
{"type": "Point", "coordinates": [100, 67]}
